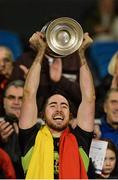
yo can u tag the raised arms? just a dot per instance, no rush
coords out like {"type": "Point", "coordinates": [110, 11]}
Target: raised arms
{"type": "Point", "coordinates": [85, 115]}
{"type": "Point", "coordinates": [29, 107]}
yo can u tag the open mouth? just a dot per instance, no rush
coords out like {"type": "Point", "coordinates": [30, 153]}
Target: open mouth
{"type": "Point", "coordinates": [58, 118]}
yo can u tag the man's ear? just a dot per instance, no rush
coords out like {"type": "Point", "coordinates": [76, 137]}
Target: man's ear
{"type": "Point", "coordinates": [41, 115]}
{"type": "Point", "coordinates": [70, 116]}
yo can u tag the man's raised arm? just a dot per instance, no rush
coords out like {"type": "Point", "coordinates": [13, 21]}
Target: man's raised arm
{"type": "Point", "coordinates": [85, 115]}
{"type": "Point", "coordinates": [29, 113]}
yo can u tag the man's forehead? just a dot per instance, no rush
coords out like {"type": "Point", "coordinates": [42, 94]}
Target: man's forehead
{"type": "Point", "coordinates": [113, 95]}
{"type": "Point", "coordinates": [57, 98]}
{"type": "Point", "coordinates": [13, 88]}
{"type": "Point", "coordinates": [3, 52]}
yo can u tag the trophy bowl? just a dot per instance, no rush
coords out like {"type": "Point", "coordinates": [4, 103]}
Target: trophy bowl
{"type": "Point", "coordinates": [63, 36]}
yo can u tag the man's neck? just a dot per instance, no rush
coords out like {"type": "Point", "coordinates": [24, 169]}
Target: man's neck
{"type": "Point", "coordinates": [113, 125]}
{"type": "Point", "coordinates": [56, 134]}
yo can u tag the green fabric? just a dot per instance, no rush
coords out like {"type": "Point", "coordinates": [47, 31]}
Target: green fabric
{"type": "Point", "coordinates": [84, 157]}
{"type": "Point", "coordinates": [26, 159]}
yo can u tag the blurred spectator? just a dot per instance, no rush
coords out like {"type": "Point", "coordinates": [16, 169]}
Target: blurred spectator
{"type": "Point", "coordinates": [6, 66]}
{"type": "Point", "coordinates": [110, 166]}
{"type": "Point", "coordinates": [6, 167]}
{"type": "Point", "coordinates": [113, 70]}
{"type": "Point", "coordinates": [9, 129]}
{"type": "Point", "coordinates": [97, 132]}
{"type": "Point", "coordinates": [110, 81]}
{"type": "Point", "coordinates": [13, 41]}
{"type": "Point", "coordinates": [99, 22]}
{"type": "Point", "coordinates": [109, 122]}
{"type": "Point", "coordinates": [114, 28]}
{"type": "Point", "coordinates": [6, 61]}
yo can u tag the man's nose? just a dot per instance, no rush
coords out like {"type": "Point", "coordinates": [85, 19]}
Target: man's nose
{"type": "Point", "coordinates": [16, 101]}
{"type": "Point", "coordinates": [59, 108]}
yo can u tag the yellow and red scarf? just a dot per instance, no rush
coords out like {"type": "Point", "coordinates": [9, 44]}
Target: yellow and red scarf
{"type": "Point", "coordinates": [41, 164]}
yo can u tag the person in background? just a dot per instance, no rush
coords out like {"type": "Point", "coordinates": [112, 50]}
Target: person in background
{"type": "Point", "coordinates": [40, 162]}
{"type": "Point", "coordinates": [6, 61]}
{"type": "Point", "coordinates": [99, 23]}
{"type": "Point", "coordinates": [113, 70]}
{"type": "Point", "coordinates": [9, 128]}
{"type": "Point", "coordinates": [110, 166]}
{"type": "Point", "coordinates": [97, 132]}
{"type": "Point", "coordinates": [6, 167]}
{"type": "Point", "coordinates": [109, 81]}
{"type": "Point", "coordinates": [6, 66]}
{"type": "Point", "coordinates": [108, 125]}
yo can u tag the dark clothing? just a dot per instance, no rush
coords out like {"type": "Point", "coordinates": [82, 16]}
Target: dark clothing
{"type": "Point", "coordinates": [96, 18]}
{"type": "Point", "coordinates": [70, 64]}
{"type": "Point", "coordinates": [112, 176]}
{"type": "Point", "coordinates": [101, 91]}
{"type": "Point", "coordinates": [27, 139]}
{"type": "Point", "coordinates": [109, 132]}
{"type": "Point", "coordinates": [13, 149]}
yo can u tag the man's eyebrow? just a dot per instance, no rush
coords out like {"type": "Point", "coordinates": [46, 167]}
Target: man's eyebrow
{"type": "Point", "coordinates": [114, 100]}
{"type": "Point", "coordinates": [10, 95]}
{"type": "Point", "coordinates": [52, 103]}
{"type": "Point", "coordinates": [63, 103]}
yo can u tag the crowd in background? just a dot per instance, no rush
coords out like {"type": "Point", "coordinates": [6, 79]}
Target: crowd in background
{"type": "Point", "coordinates": [63, 74]}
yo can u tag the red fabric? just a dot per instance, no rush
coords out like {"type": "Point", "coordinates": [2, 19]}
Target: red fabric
{"type": "Point", "coordinates": [70, 162]}
{"type": "Point", "coordinates": [6, 165]}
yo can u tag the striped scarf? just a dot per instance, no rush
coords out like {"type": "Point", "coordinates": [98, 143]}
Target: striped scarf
{"type": "Point", "coordinates": [41, 164]}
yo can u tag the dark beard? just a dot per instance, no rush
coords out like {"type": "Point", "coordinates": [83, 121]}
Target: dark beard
{"type": "Point", "coordinates": [57, 127]}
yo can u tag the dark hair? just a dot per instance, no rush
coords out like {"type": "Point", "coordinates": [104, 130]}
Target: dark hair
{"type": "Point", "coordinates": [58, 92]}
{"type": "Point", "coordinates": [113, 148]}
{"type": "Point", "coordinates": [109, 92]}
{"type": "Point", "coordinates": [16, 83]}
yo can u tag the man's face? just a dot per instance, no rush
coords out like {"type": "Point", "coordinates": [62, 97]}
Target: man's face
{"type": "Point", "coordinates": [111, 108]}
{"type": "Point", "coordinates": [57, 113]}
{"type": "Point", "coordinates": [13, 100]}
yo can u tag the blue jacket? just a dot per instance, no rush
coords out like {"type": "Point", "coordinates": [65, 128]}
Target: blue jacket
{"type": "Point", "coordinates": [109, 132]}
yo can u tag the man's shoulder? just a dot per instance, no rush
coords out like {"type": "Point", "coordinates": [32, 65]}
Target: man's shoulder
{"type": "Point", "coordinates": [77, 129]}
{"type": "Point", "coordinates": [105, 125]}
{"type": "Point", "coordinates": [33, 130]}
